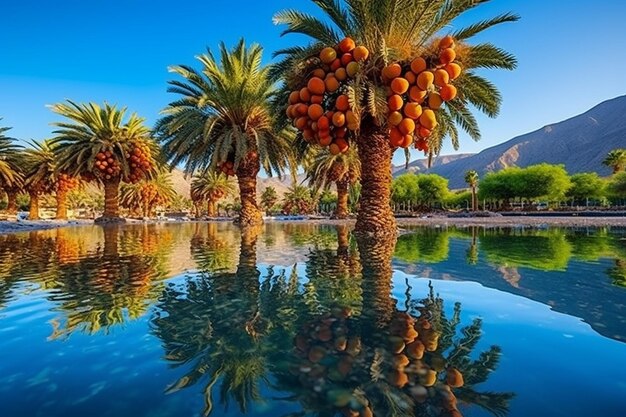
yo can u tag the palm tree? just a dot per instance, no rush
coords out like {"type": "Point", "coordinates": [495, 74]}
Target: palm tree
{"type": "Point", "coordinates": [393, 32]}
{"type": "Point", "coordinates": [10, 175]}
{"type": "Point", "coordinates": [99, 145]}
{"type": "Point", "coordinates": [344, 169]}
{"type": "Point", "coordinates": [40, 175]}
{"type": "Point", "coordinates": [211, 187]}
{"type": "Point", "coordinates": [223, 120]}
{"type": "Point", "coordinates": [616, 160]}
{"type": "Point", "coordinates": [269, 197]}
{"type": "Point", "coordinates": [147, 194]}
{"type": "Point", "coordinates": [471, 179]}
{"type": "Point", "coordinates": [297, 200]}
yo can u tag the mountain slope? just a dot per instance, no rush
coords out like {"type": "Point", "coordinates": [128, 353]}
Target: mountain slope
{"type": "Point", "coordinates": [580, 143]}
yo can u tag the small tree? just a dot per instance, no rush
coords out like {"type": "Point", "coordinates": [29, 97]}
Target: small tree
{"type": "Point", "coordinates": [616, 160]}
{"type": "Point", "coordinates": [433, 189]}
{"type": "Point", "coordinates": [586, 185]}
{"type": "Point", "coordinates": [471, 179]}
{"type": "Point", "coordinates": [269, 197]}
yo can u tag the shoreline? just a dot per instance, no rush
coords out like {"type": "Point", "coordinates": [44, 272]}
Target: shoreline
{"type": "Point", "coordinates": [7, 227]}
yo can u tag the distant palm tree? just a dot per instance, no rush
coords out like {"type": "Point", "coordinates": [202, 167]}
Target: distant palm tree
{"type": "Point", "coordinates": [10, 176]}
{"type": "Point", "coordinates": [393, 31]}
{"type": "Point", "coordinates": [211, 187]}
{"type": "Point", "coordinates": [471, 179]}
{"type": "Point", "coordinates": [343, 169]}
{"type": "Point", "coordinates": [269, 197]}
{"type": "Point", "coordinates": [616, 160]}
{"type": "Point", "coordinates": [297, 200]}
{"type": "Point", "coordinates": [40, 174]}
{"type": "Point", "coordinates": [99, 145]}
{"type": "Point", "coordinates": [222, 120]}
{"type": "Point", "coordinates": [146, 195]}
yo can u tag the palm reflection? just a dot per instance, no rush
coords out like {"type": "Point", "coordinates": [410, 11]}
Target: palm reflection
{"type": "Point", "coordinates": [334, 342]}
{"type": "Point", "coordinates": [98, 288]}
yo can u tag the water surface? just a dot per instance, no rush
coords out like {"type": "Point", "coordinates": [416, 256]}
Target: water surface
{"type": "Point", "coordinates": [302, 320]}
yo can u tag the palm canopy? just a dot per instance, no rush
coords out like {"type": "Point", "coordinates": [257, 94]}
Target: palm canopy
{"type": "Point", "coordinates": [324, 168]}
{"type": "Point", "coordinates": [211, 185]}
{"type": "Point", "coordinates": [9, 156]}
{"type": "Point", "coordinates": [148, 193]}
{"type": "Point", "coordinates": [223, 114]}
{"type": "Point", "coordinates": [616, 159]}
{"type": "Point", "coordinates": [471, 178]}
{"type": "Point", "coordinates": [40, 172]}
{"type": "Point", "coordinates": [394, 31]}
{"type": "Point", "coordinates": [92, 132]}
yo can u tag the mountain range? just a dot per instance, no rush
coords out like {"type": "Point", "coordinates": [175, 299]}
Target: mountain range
{"type": "Point", "coordinates": [580, 143]}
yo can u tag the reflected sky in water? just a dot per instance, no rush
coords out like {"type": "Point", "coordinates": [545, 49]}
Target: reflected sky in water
{"type": "Point", "coordinates": [305, 320]}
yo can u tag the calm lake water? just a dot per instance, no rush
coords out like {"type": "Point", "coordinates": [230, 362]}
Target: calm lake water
{"type": "Point", "coordinates": [302, 320]}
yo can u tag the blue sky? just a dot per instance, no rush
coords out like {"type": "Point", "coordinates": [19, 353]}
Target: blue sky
{"type": "Point", "coordinates": [570, 55]}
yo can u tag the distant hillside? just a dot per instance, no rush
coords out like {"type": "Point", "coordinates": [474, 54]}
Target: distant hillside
{"type": "Point", "coordinates": [580, 143]}
{"type": "Point", "coordinates": [421, 165]}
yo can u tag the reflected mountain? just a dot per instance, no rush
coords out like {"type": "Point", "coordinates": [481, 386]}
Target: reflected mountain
{"type": "Point", "coordinates": [586, 267]}
{"type": "Point", "coordinates": [332, 341]}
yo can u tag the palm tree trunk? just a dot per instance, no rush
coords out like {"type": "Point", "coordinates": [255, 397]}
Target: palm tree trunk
{"type": "Point", "coordinates": [342, 199]}
{"type": "Point", "coordinates": [474, 199]}
{"type": "Point", "coordinates": [33, 208]}
{"type": "Point", "coordinates": [375, 217]}
{"type": "Point", "coordinates": [246, 177]}
{"type": "Point", "coordinates": [61, 205]}
{"type": "Point", "coordinates": [197, 209]}
{"type": "Point", "coordinates": [111, 202]}
{"type": "Point", "coordinates": [11, 202]}
{"type": "Point", "coordinates": [210, 208]}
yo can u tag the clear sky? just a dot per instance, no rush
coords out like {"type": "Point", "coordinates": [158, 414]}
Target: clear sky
{"type": "Point", "coordinates": [570, 52]}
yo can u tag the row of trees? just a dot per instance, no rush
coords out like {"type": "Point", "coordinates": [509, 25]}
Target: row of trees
{"type": "Point", "coordinates": [551, 183]}
{"type": "Point", "coordinates": [542, 182]}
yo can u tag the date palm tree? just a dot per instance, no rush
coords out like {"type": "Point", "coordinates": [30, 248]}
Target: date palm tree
{"type": "Point", "coordinates": [222, 118]}
{"type": "Point", "coordinates": [269, 197]}
{"type": "Point", "coordinates": [146, 195]}
{"type": "Point", "coordinates": [297, 200]}
{"type": "Point", "coordinates": [394, 31]}
{"type": "Point", "coordinates": [101, 145]}
{"type": "Point", "coordinates": [471, 179]}
{"type": "Point", "coordinates": [343, 169]}
{"type": "Point", "coordinates": [616, 160]}
{"type": "Point", "coordinates": [211, 187]}
{"type": "Point", "coordinates": [11, 177]}
{"type": "Point", "coordinates": [40, 174]}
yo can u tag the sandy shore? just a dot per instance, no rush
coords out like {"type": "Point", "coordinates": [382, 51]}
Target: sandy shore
{"type": "Point", "coordinates": [438, 221]}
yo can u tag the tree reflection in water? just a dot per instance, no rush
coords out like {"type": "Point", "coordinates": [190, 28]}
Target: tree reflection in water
{"type": "Point", "coordinates": [334, 342]}
{"type": "Point", "coordinates": [109, 286]}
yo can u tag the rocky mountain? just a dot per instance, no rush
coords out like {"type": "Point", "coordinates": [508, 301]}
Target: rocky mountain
{"type": "Point", "coordinates": [580, 143]}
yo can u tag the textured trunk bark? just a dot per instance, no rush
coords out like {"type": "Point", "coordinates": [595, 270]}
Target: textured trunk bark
{"type": "Point", "coordinates": [375, 217]}
{"type": "Point", "coordinates": [376, 256]}
{"type": "Point", "coordinates": [61, 205]}
{"type": "Point", "coordinates": [474, 199]}
{"type": "Point", "coordinates": [11, 202]}
{"type": "Point", "coordinates": [246, 177]}
{"type": "Point", "coordinates": [33, 207]}
{"type": "Point", "coordinates": [111, 202]}
{"type": "Point", "coordinates": [197, 210]}
{"type": "Point", "coordinates": [211, 208]}
{"type": "Point", "coordinates": [342, 199]}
